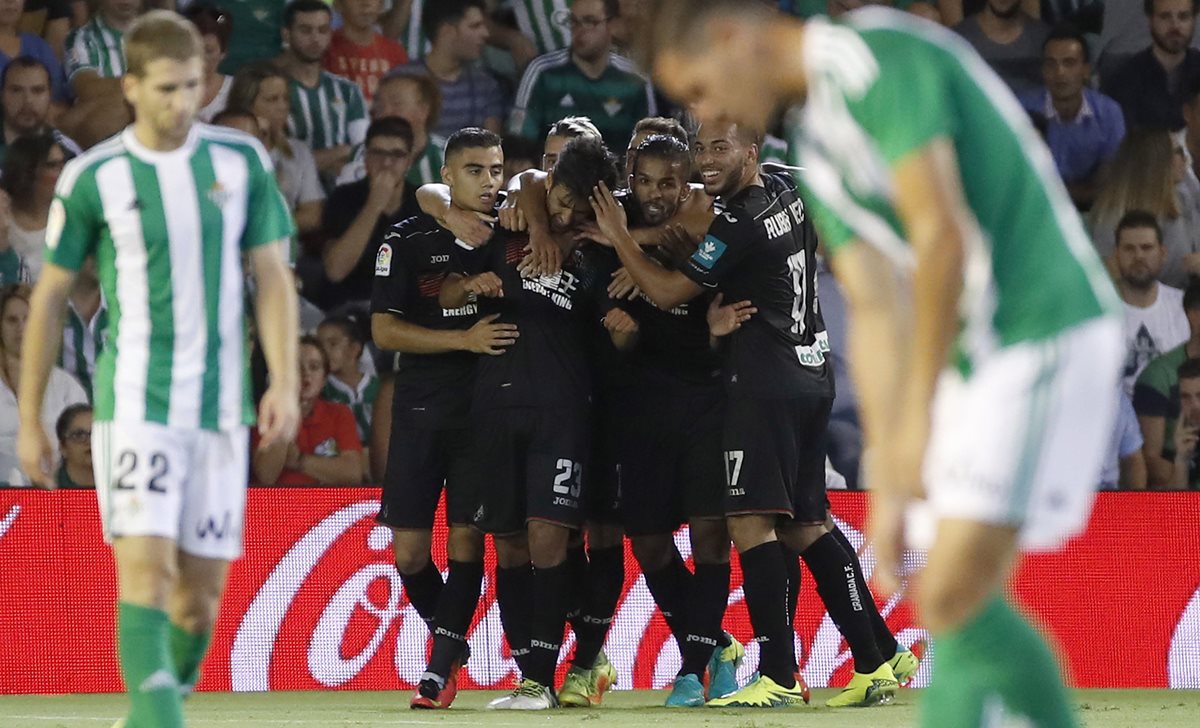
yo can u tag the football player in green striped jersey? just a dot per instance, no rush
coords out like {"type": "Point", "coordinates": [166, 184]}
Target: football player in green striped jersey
{"type": "Point", "coordinates": [986, 341]}
{"type": "Point", "coordinates": [168, 208]}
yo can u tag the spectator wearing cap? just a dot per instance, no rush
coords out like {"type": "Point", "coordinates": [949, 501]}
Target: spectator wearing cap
{"type": "Point", "coordinates": [1156, 394]}
{"type": "Point", "coordinates": [215, 28]}
{"type": "Point", "coordinates": [458, 32]}
{"type": "Point", "coordinates": [327, 112]}
{"type": "Point", "coordinates": [1084, 128]}
{"type": "Point", "coordinates": [416, 99]}
{"type": "Point", "coordinates": [74, 431]}
{"type": "Point", "coordinates": [587, 79]}
{"type": "Point", "coordinates": [25, 101]}
{"type": "Point", "coordinates": [1150, 86]}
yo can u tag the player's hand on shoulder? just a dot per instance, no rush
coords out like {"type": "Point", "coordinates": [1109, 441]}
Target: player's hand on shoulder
{"type": "Point", "coordinates": [545, 256]}
{"type": "Point", "coordinates": [610, 214]}
{"type": "Point", "coordinates": [678, 242]}
{"type": "Point", "coordinates": [489, 337]}
{"type": "Point", "coordinates": [473, 228]}
{"type": "Point", "coordinates": [486, 285]}
{"type": "Point", "coordinates": [622, 286]}
{"type": "Point", "coordinates": [35, 455]}
{"type": "Point", "coordinates": [723, 320]}
{"type": "Point", "coordinates": [278, 416]}
{"type": "Point", "coordinates": [511, 216]}
{"type": "Point", "coordinates": [590, 231]}
{"type": "Point", "coordinates": [620, 322]}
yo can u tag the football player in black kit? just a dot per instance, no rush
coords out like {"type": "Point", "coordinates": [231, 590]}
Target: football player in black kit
{"type": "Point", "coordinates": [530, 415]}
{"type": "Point", "coordinates": [761, 249]}
{"type": "Point", "coordinates": [433, 384]}
{"type": "Point", "coordinates": [671, 467]}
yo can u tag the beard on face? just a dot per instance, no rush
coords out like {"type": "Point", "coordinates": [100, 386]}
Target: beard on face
{"type": "Point", "coordinates": [1007, 13]}
{"type": "Point", "coordinates": [1138, 276]}
{"type": "Point", "coordinates": [1171, 42]}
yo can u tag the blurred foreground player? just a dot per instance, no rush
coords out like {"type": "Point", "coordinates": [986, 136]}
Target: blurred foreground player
{"type": "Point", "coordinates": [431, 404]}
{"type": "Point", "coordinates": [168, 208]}
{"type": "Point", "coordinates": [986, 343]}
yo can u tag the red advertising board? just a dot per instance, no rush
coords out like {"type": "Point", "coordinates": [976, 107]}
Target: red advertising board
{"type": "Point", "coordinates": [316, 604]}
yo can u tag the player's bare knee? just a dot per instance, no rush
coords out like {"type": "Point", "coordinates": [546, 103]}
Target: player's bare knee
{"type": "Point", "coordinates": [512, 551]}
{"type": "Point", "coordinates": [710, 541]}
{"type": "Point", "coordinates": [798, 537]}
{"type": "Point", "coordinates": [547, 543]}
{"type": "Point", "coordinates": [750, 531]}
{"type": "Point", "coordinates": [410, 550]}
{"type": "Point", "coordinates": [464, 544]}
{"type": "Point", "coordinates": [604, 535]}
{"type": "Point", "coordinates": [146, 570]}
{"type": "Point", "coordinates": [653, 553]}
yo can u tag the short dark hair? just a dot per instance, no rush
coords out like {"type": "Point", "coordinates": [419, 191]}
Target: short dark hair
{"type": "Point", "coordinates": [351, 326]}
{"type": "Point", "coordinates": [661, 146]}
{"type": "Point", "coordinates": [582, 165]}
{"type": "Point", "coordinates": [211, 20]}
{"type": "Point", "coordinates": [1191, 294]}
{"type": "Point", "coordinates": [23, 62]}
{"type": "Point", "coordinates": [661, 125]}
{"type": "Point", "coordinates": [441, 12]}
{"type": "Point", "coordinates": [1134, 219]}
{"type": "Point", "coordinates": [21, 162]}
{"type": "Point", "coordinates": [391, 126]}
{"type": "Point", "coordinates": [1189, 369]}
{"type": "Point", "coordinates": [63, 423]}
{"type": "Point", "coordinates": [295, 7]}
{"type": "Point", "coordinates": [1148, 6]}
{"type": "Point", "coordinates": [471, 137]}
{"type": "Point", "coordinates": [1067, 31]}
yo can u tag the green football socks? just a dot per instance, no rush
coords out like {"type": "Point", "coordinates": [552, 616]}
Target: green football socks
{"type": "Point", "coordinates": [187, 650]}
{"type": "Point", "coordinates": [995, 667]}
{"type": "Point", "coordinates": [150, 679]}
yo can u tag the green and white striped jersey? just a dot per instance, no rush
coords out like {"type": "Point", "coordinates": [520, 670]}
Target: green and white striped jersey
{"type": "Point", "coordinates": [885, 85]}
{"type": "Point", "coordinates": [329, 115]}
{"type": "Point", "coordinates": [168, 230]}
{"type": "Point", "coordinates": [95, 46]}
{"type": "Point", "coordinates": [82, 342]}
{"type": "Point", "coordinates": [360, 400]}
{"type": "Point", "coordinates": [774, 151]}
{"type": "Point", "coordinates": [544, 22]}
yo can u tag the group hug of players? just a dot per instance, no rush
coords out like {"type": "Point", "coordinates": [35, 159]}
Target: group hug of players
{"type": "Point", "coordinates": [614, 358]}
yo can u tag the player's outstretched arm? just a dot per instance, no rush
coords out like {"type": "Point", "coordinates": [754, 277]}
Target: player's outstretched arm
{"type": "Point", "coordinates": [279, 333]}
{"type": "Point", "coordinates": [666, 288]}
{"type": "Point", "coordinates": [43, 336]}
{"type": "Point", "coordinates": [393, 333]}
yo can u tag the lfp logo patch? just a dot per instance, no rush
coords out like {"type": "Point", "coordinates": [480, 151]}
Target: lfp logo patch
{"type": "Point", "coordinates": [710, 251]}
{"type": "Point", "coordinates": [383, 260]}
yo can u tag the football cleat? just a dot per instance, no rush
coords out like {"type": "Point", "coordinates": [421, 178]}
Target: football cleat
{"type": "Point", "coordinates": [686, 692]}
{"type": "Point", "coordinates": [863, 690]}
{"type": "Point", "coordinates": [585, 688]}
{"type": "Point", "coordinates": [723, 667]}
{"type": "Point", "coordinates": [904, 665]}
{"type": "Point", "coordinates": [763, 692]}
{"type": "Point", "coordinates": [529, 695]}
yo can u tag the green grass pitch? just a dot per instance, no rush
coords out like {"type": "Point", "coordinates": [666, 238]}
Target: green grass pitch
{"type": "Point", "coordinates": [621, 709]}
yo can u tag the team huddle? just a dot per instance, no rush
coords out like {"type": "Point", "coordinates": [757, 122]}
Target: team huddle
{"type": "Point", "coordinates": [621, 355]}
{"type": "Point", "coordinates": [621, 388]}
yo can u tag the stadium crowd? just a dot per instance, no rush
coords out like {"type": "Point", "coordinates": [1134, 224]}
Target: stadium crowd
{"type": "Point", "coordinates": [354, 100]}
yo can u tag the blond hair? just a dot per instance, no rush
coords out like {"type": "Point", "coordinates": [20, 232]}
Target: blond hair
{"type": "Point", "coordinates": [1140, 178]}
{"type": "Point", "coordinates": [160, 34]}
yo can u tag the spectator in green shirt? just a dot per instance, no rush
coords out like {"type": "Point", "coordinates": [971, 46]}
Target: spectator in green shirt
{"type": "Point", "coordinates": [74, 430]}
{"type": "Point", "coordinates": [587, 79]}
{"type": "Point", "coordinates": [1185, 475]}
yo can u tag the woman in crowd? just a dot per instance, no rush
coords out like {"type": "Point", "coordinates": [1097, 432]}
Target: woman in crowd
{"type": "Point", "coordinates": [31, 170]}
{"type": "Point", "coordinates": [327, 448]}
{"type": "Point", "coordinates": [261, 89]}
{"type": "Point", "coordinates": [1145, 175]}
{"type": "Point", "coordinates": [74, 430]}
{"type": "Point", "coordinates": [215, 28]}
{"type": "Point", "coordinates": [61, 390]}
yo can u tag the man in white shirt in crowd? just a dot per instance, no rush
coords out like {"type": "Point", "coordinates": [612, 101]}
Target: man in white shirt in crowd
{"type": "Point", "coordinates": [1154, 318]}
